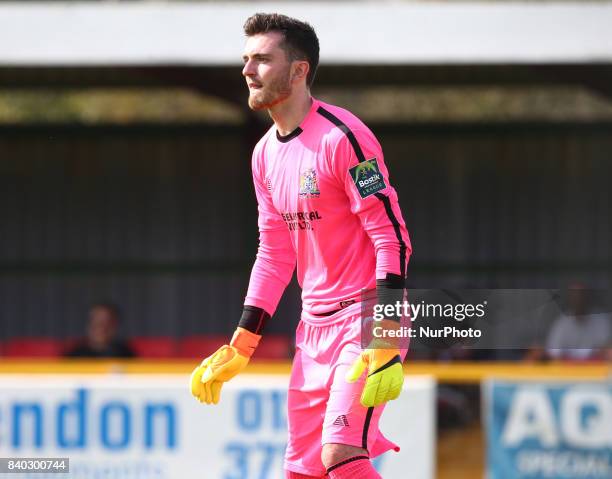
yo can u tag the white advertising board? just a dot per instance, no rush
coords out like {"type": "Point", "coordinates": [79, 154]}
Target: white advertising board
{"type": "Point", "coordinates": [149, 427]}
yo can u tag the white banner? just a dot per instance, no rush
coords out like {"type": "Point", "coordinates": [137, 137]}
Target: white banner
{"type": "Point", "coordinates": [149, 427]}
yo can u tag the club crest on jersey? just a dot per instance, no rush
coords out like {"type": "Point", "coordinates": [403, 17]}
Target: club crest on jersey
{"type": "Point", "coordinates": [367, 178]}
{"type": "Point", "coordinates": [309, 187]}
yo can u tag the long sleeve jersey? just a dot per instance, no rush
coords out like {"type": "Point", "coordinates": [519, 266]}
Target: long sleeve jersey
{"type": "Point", "coordinates": [325, 203]}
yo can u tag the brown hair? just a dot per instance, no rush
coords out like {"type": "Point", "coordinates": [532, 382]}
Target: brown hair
{"type": "Point", "coordinates": [300, 39]}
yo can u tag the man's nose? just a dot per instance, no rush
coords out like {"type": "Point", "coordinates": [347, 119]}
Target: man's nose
{"type": "Point", "coordinates": [248, 68]}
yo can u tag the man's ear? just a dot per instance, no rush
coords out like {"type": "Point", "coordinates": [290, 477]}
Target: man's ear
{"type": "Point", "coordinates": [300, 70]}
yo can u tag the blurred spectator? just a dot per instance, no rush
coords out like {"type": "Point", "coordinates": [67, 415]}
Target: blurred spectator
{"type": "Point", "coordinates": [102, 340]}
{"type": "Point", "coordinates": [579, 334]}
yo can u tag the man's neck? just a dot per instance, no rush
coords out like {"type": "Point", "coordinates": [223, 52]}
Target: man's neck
{"type": "Point", "coordinates": [288, 115]}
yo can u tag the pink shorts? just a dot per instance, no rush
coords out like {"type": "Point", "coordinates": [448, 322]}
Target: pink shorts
{"type": "Point", "coordinates": [322, 407]}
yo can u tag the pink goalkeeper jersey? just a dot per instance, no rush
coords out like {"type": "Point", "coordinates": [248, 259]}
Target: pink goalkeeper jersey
{"type": "Point", "coordinates": [325, 202]}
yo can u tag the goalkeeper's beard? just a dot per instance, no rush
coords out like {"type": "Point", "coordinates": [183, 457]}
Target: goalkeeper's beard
{"type": "Point", "coordinates": [277, 91]}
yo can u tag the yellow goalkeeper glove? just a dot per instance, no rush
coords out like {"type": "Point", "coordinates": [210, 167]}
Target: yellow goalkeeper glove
{"type": "Point", "coordinates": [385, 373]}
{"type": "Point", "coordinates": [223, 365]}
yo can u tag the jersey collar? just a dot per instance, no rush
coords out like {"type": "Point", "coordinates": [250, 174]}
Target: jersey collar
{"type": "Point", "coordinates": [299, 129]}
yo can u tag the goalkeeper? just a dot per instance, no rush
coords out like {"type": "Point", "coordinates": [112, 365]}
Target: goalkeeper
{"type": "Point", "coordinates": [325, 203]}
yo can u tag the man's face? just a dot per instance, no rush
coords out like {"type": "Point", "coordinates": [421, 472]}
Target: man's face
{"type": "Point", "coordinates": [267, 70]}
{"type": "Point", "coordinates": [102, 327]}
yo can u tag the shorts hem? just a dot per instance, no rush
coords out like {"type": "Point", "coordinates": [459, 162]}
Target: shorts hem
{"type": "Point", "coordinates": [342, 440]}
{"type": "Point", "coordinates": [289, 466]}
{"type": "Point", "coordinates": [382, 451]}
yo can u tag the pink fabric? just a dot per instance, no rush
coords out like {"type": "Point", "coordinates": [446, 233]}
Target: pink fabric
{"type": "Point", "coordinates": [322, 407]}
{"type": "Point", "coordinates": [311, 213]}
{"type": "Point", "coordinates": [361, 469]}
{"type": "Point", "coordinates": [297, 475]}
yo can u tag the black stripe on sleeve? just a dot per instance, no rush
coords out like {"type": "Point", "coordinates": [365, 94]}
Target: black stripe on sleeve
{"type": "Point", "coordinates": [385, 199]}
{"type": "Point", "coordinates": [396, 227]}
{"type": "Point", "coordinates": [345, 129]}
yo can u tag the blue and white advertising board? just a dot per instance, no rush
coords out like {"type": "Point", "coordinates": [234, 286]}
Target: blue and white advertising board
{"type": "Point", "coordinates": [149, 427]}
{"type": "Point", "coordinates": [549, 430]}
